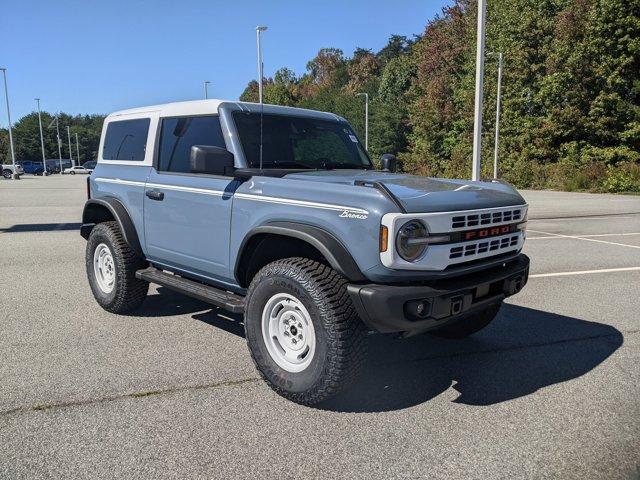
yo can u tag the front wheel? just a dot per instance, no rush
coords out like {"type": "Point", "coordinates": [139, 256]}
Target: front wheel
{"type": "Point", "coordinates": [6, 173]}
{"type": "Point", "coordinates": [468, 325]}
{"type": "Point", "coordinates": [304, 335]}
{"type": "Point", "coordinates": [111, 270]}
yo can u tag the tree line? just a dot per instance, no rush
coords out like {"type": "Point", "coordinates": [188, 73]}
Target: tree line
{"type": "Point", "coordinates": [570, 104]}
{"type": "Point", "coordinates": [26, 137]}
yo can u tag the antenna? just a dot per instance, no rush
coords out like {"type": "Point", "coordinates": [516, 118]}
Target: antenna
{"type": "Point", "coordinates": [261, 126]}
{"type": "Point", "coordinates": [259, 30]}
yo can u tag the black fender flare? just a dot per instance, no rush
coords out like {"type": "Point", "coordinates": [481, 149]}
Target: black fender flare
{"type": "Point", "coordinates": [332, 249]}
{"type": "Point", "coordinates": [93, 214]}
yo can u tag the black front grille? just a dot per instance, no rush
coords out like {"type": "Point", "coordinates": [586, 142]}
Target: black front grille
{"type": "Point", "coordinates": [480, 219]}
{"type": "Point", "coordinates": [477, 248]}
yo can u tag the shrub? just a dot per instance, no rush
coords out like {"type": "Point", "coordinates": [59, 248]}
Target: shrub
{"type": "Point", "coordinates": [623, 178]}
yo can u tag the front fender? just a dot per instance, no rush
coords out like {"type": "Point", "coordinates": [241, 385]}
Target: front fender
{"type": "Point", "coordinates": [332, 249]}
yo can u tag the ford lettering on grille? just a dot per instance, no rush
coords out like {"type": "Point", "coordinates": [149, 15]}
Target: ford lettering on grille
{"type": "Point", "coordinates": [487, 232]}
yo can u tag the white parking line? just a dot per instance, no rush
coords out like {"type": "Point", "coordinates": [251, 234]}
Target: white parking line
{"type": "Point", "coordinates": [585, 236]}
{"type": "Point", "coordinates": [583, 218]}
{"type": "Point", "coordinates": [585, 239]}
{"type": "Point", "coordinates": [586, 272]}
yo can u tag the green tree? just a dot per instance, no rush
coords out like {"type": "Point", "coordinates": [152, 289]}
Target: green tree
{"type": "Point", "coordinates": [570, 104]}
{"type": "Point", "coordinates": [26, 137]}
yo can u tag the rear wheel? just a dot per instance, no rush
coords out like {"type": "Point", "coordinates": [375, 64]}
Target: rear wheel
{"type": "Point", "coordinates": [468, 325]}
{"type": "Point", "coordinates": [6, 173]}
{"type": "Point", "coordinates": [111, 268]}
{"type": "Point", "coordinates": [303, 333]}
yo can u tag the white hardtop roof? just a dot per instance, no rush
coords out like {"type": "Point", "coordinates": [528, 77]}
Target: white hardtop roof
{"type": "Point", "coordinates": [202, 107]}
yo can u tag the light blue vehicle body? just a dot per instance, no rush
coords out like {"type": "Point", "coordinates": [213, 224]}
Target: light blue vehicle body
{"type": "Point", "coordinates": [203, 222]}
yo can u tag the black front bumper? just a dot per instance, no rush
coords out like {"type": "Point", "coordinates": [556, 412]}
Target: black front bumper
{"type": "Point", "coordinates": [416, 308]}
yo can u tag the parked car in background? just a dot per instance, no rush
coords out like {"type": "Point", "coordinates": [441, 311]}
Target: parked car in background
{"type": "Point", "coordinates": [8, 170]}
{"type": "Point", "coordinates": [76, 169]}
{"type": "Point", "coordinates": [34, 168]}
{"type": "Point", "coordinates": [53, 166]}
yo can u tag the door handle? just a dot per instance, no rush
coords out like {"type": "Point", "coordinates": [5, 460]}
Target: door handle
{"type": "Point", "coordinates": [155, 195]}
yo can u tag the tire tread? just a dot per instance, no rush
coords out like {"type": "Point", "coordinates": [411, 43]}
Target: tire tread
{"type": "Point", "coordinates": [130, 291]}
{"type": "Point", "coordinates": [346, 334]}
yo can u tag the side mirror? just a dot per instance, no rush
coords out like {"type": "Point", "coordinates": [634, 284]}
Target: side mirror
{"type": "Point", "coordinates": [388, 162]}
{"type": "Point", "coordinates": [211, 160]}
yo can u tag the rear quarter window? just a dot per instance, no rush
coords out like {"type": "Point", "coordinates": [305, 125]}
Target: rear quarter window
{"type": "Point", "coordinates": [126, 140]}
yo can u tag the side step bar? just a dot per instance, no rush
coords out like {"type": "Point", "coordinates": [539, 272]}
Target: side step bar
{"type": "Point", "coordinates": [216, 296]}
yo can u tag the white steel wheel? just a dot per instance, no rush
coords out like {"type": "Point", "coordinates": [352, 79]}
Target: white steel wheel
{"type": "Point", "coordinates": [288, 332]}
{"type": "Point", "coordinates": [104, 268]}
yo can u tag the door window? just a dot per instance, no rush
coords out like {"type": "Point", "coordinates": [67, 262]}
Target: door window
{"type": "Point", "coordinates": [179, 134]}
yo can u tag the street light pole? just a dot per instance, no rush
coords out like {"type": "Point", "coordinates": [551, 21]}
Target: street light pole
{"type": "Point", "coordinates": [366, 120]}
{"type": "Point", "coordinates": [55, 119]}
{"type": "Point", "coordinates": [77, 148]}
{"type": "Point", "coordinates": [259, 30]}
{"type": "Point", "coordinates": [477, 121]}
{"type": "Point", "coordinates": [14, 175]}
{"type": "Point", "coordinates": [70, 151]}
{"type": "Point", "coordinates": [44, 157]}
{"type": "Point", "coordinates": [498, 101]}
{"type": "Point", "coordinates": [206, 91]}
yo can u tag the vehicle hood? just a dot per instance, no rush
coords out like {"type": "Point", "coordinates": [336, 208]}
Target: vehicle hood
{"type": "Point", "coordinates": [424, 194]}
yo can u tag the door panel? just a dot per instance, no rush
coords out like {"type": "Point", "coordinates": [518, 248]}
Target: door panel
{"type": "Point", "coordinates": [189, 226]}
{"type": "Point", "coordinates": [188, 216]}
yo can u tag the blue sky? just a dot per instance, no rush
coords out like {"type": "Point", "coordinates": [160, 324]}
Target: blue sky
{"type": "Point", "coordinates": [99, 56]}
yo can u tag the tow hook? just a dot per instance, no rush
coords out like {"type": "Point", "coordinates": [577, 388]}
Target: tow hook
{"type": "Point", "coordinates": [456, 304]}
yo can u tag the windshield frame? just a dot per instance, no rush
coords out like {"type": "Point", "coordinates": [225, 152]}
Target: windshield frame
{"type": "Point", "coordinates": [290, 112]}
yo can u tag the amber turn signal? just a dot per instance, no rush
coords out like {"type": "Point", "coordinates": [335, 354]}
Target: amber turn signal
{"type": "Point", "coordinates": [384, 238]}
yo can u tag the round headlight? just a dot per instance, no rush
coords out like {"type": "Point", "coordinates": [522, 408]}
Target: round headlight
{"type": "Point", "coordinates": [407, 240]}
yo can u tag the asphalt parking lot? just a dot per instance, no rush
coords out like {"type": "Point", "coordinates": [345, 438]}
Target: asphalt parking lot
{"type": "Point", "coordinates": [550, 390]}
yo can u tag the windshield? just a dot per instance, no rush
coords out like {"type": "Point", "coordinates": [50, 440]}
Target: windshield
{"type": "Point", "coordinates": [299, 142]}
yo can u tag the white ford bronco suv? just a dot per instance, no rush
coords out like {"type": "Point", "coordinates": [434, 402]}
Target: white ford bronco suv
{"type": "Point", "coordinates": [279, 214]}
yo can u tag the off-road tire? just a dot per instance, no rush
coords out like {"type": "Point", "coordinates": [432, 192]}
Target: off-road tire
{"type": "Point", "coordinates": [128, 292]}
{"type": "Point", "coordinates": [468, 325]}
{"type": "Point", "coordinates": [340, 334]}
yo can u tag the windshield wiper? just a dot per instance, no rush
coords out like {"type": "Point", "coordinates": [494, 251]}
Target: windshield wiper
{"type": "Point", "coordinates": [290, 164]}
{"type": "Point", "coordinates": [347, 166]}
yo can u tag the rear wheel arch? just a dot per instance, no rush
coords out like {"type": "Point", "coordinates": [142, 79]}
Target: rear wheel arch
{"type": "Point", "coordinates": [99, 210]}
{"type": "Point", "coordinates": [278, 240]}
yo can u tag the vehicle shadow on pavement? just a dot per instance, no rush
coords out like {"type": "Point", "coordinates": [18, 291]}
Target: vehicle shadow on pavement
{"type": "Point", "coordinates": [167, 303]}
{"type": "Point", "coordinates": [40, 227]}
{"type": "Point", "coordinates": [522, 351]}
